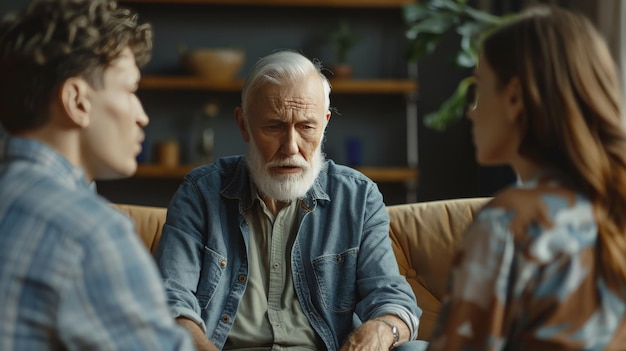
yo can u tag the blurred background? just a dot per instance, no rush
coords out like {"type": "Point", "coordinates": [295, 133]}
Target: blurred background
{"type": "Point", "coordinates": [378, 108]}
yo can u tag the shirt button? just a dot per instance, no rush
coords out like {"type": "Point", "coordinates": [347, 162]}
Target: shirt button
{"type": "Point", "coordinates": [225, 318]}
{"type": "Point", "coordinates": [276, 265]}
{"type": "Point", "coordinates": [242, 278]}
{"type": "Point", "coordinates": [223, 263]}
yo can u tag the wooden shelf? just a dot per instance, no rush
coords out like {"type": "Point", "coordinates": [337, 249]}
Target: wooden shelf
{"type": "Point", "coordinates": [377, 174]}
{"type": "Point", "coordinates": [158, 171]}
{"type": "Point", "coordinates": [290, 3]}
{"type": "Point", "coordinates": [187, 83]}
{"type": "Point", "coordinates": [389, 174]}
{"type": "Point", "coordinates": [352, 86]}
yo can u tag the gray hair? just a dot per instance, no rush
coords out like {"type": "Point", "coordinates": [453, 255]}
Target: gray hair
{"type": "Point", "coordinates": [282, 66]}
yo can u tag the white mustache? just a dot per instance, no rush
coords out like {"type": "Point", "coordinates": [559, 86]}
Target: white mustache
{"type": "Point", "coordinates": [290, 162]}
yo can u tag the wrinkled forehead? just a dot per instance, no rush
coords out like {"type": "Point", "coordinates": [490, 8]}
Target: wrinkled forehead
{"type": "Point", "coordinates": [306, 93]}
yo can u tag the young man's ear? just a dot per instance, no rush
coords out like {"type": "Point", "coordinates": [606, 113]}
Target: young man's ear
{"type": "Point", "coordinates": [241, 123]}
{"type": "Point", "coordinates": [74, 96]}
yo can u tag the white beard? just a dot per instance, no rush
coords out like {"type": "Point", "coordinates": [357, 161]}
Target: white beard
{"type": "Point", "coordinates": [284, 187]}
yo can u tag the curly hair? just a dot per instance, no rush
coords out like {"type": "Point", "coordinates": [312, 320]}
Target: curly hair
{"type": "Point", "coordinates": [572, 113]}
{"type": "Point", "coordinates": [53, 40]}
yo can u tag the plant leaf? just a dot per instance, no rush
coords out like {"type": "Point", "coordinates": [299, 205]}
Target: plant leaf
{"type": "Point", "coordinates": [414, 12]}
{"type": "Point", "coordinates": [436, 24]}
{"type": "Point", "coordinates": [467, 56]}
{"type": "Point", "coordinates": [451, 110]}
{"type": "Point", "coordinates": [426, 24]}
{"type": "Point", "coordinates": [471, 29]}
{"type": "Point", "coordinates": [425, 45]}
{"type": "Point", "coordinates": [482, 16]}
{"type": "Point", "coordinates": [447, 4]}
{"type": "Point", "coordinates": [465, 59]}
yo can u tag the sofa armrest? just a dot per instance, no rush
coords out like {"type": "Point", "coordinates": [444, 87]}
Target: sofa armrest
{"type": "Point", "coordinates": [424, 238]}
{"type": "Point", "coordinates": [148, 220]}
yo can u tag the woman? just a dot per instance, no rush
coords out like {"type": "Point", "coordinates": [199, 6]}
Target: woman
{"type": "Point", "coordinates": [548, 104]}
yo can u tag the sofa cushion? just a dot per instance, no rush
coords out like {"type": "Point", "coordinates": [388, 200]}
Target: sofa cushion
{"type": "Point", "coordinates": [148, 222]}
{"type": "Point", "coordinates": [424, 237]}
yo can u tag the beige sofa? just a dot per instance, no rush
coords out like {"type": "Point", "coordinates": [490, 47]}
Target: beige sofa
{"type": "Point", "coordinates": [423, 235]}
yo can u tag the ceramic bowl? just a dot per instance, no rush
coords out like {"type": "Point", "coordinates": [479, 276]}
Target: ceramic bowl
{"type": "Point", "coordinates": [214, 64]}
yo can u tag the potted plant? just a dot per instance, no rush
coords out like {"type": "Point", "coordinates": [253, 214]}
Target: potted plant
{"type": "Point", "coordinates": [428, 22]}
{"type": "Point", "coordinates": [343, 39]}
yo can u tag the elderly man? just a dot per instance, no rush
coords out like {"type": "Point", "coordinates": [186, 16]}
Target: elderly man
{"type": "Point", "coordinates": [282, 249]}
{"type": "Point", "coordinates": [73, 273]}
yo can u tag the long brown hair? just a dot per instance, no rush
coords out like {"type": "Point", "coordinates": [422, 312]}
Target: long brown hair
{"type": "Point", "coordinates": [572, 113]}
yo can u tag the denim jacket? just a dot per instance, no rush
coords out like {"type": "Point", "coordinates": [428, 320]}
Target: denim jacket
{"type": "Point", "coordinates": [342, 261]}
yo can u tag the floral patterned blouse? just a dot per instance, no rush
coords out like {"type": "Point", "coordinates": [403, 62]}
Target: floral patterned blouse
{"type": "Point", "coordinates": [540, 291]}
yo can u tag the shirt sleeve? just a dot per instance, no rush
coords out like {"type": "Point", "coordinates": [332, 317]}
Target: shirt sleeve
{"type": "Point", "coordinates": [473, 316]}
{"type": "Point", "coordinates": [114, 299]}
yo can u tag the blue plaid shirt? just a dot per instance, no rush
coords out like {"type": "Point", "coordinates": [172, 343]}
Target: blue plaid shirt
{"type": "Point", "coordinates": [73, 275]}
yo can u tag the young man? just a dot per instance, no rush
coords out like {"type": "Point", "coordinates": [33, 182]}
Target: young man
{"type": "Point", "coordinates": [282, 249]}
{"type": "Point", "coordinates": [73, 274]}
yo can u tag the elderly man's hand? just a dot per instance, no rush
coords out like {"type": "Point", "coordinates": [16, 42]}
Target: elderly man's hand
{"type": "Point", "coordinates": [372, 335]}
{"type": "Point", "coordinates": [377, 335]}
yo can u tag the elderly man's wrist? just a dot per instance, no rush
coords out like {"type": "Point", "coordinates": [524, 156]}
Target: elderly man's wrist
{"type": "Point", "coordinates": [394, 330]}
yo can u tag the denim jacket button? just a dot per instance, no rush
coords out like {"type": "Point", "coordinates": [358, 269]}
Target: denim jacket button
{"type": "Point", "coordinates": [223, 263]}
{"type": "Point", "coordinates": [225, 318]}
{"type": "Point", "coordinates": [242, 278]}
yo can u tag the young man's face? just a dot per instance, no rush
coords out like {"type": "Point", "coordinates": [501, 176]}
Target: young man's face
{"type": "Point", "coordinates": [113, 138]}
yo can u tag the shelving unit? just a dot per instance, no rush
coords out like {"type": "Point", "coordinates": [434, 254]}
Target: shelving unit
{"type": "Point", "coordinates": [357, 86]}
{"type": "Point", "coordinates": [380, 86]}
{"type": "Point", "coordinates": [292, 3]}
{"type": "Point", "coordinates": [388, 174]}
{"type": "Point", "coordinates": [407, 88]}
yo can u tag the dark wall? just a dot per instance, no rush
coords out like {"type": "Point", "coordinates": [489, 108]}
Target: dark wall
{"type": "Point", "coordinates": [446, 159]}
{"type": "Point", "coordinates": [447, 164]}
{"type": "Point", "coordinates": [377, 120]}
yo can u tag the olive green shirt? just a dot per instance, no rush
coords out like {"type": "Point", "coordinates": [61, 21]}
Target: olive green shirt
{"type": "Point", "coordinates": [269, 315]}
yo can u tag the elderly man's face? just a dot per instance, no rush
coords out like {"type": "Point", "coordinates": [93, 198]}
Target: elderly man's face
{"type": "Point", "coordinates": [284, 130]}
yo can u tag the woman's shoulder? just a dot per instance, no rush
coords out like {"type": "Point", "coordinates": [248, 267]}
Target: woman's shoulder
{"type": "Point", "coordinates": [574, 227]}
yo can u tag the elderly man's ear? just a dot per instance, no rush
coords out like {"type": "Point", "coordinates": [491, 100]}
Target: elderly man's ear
{"type": "Point", "coordinates": [74, 100]}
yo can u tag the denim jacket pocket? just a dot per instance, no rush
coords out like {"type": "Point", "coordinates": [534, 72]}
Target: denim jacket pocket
{"type": "Point", "coordinates": [335, 275]}
{"type": "Point", "coordinates": [213, 265]}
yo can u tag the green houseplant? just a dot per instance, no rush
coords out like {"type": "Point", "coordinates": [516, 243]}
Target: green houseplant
{"type": "Point", "coordinates": [427, 24]}
{"type": "Point", "coordinates": [343, 40]}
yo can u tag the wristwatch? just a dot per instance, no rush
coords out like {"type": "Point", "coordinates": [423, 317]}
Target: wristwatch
{"type": "Point", "coordinates": [394, 331]}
